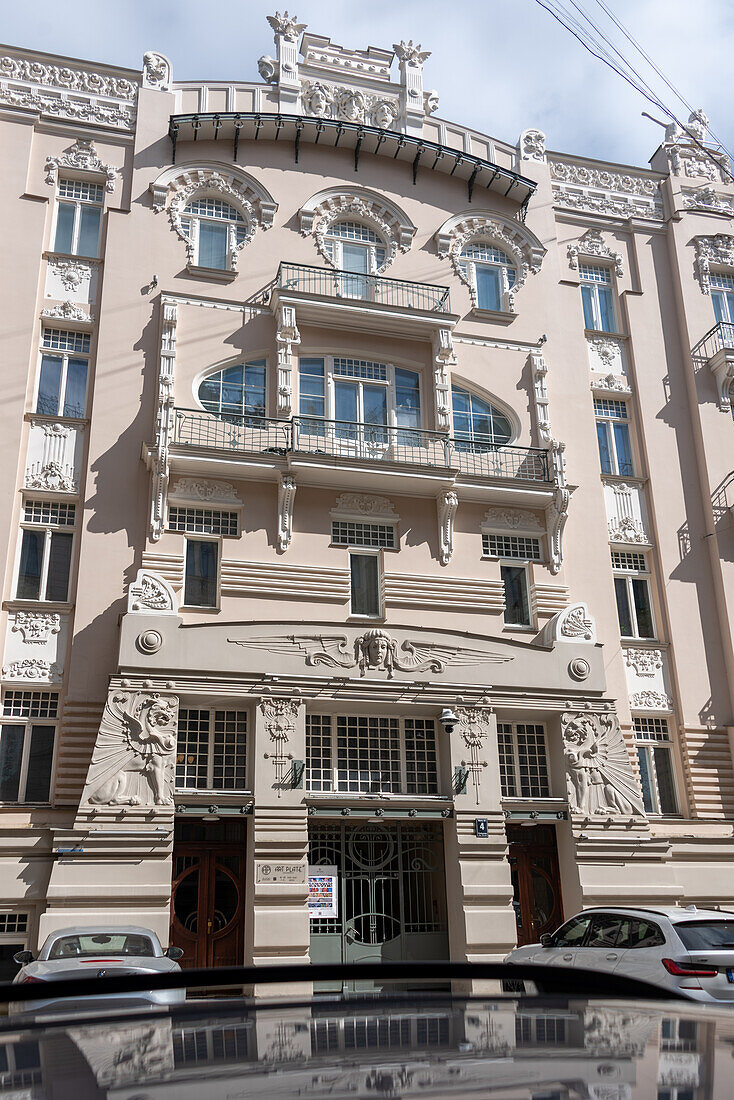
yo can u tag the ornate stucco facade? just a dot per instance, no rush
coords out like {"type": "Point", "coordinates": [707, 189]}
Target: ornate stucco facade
{"type": "Point", "coordinates": [367, 483]}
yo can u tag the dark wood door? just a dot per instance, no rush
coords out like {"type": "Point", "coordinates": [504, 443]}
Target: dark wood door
{"type": "Point", "coordinates": [207, 904]}
{"type": "Point", "coordinates": [536, 881]}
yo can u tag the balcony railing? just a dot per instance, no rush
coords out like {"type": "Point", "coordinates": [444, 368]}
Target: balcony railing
{"type": "Point", "coordinates": [322, 282]}
{"type": "Point", "coordinates": [368, 442]}
{"type": "Point", "coordinates": [719, 337]}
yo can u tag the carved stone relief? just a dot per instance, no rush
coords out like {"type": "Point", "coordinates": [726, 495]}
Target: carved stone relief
{"type": "Point", "coordinates": [359, 504]}
{"type": "Point", "coordinates": [279, 720]}
{"type": "Point", "coordinates": [77, 94]}
{"type": "Point", "coordinates": [163, 419]}
{"type": "Point", "coordinates": [200, 491]}
{"type": "Point", "coordinates": [81, 156]}
{"type": "Point", "coordinates": [511, 519]}
{"type": "Point", "coordinates": [707, 198]}
{"type": "Point", "coordinates": [717, 250]}
{"type": "Point", "coordinates": [286, 25]}
{"type": "Point", "coordinates": [151, 594]}
{"type": "Point", "coordinates": [286, 500]}
{"type": "Point", "coordinates": [556, 513]}
{"type": "Point", "coordinates": [447, 504]}
{"type": "Point", "coordinates": [599, 773]}
{"type": "Point", "coordinates": [651, 700]}
{"type": "Point", "coordinates": [591, 244]}
{"type": "Point", "coordinates": [157, 71]}
{"type": "Point", "coordinates": [54, 468]}
{"type": "Point", "coordinates": [532, 145]}
{"type": "Point", "coordinates": [626, 523]}
{"type": "Point", "coordinates": [71, 273]}
{"type": "Point", "coordinates": [645, 662]}
{"type": "Point", "coordinates": [351, 104]}
{"type": "Point", "coordinates": [68, 311]}
{"type": "Point", "coordinates": [287, 337]}
{"type": "Point", "coordinates": [474, 727]}
{"type": "Point", "coordinates": [35, 627]}
{"type": "Point", "coordinates": [444, 359]}
{"type": "Point", "coordinates": [32, 668]}
{"type": "Point", "coordinates": [134, 755]}
{"type": "Point", "coordinates": [523, 249]}
{"type": "Point", "coordinates": [317, 217]}
{"type": "Point", "coordinates": [539, 371]}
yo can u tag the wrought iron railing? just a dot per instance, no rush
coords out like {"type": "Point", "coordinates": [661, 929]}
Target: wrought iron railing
{"type": "Point", "coordinates": [720, 336]}
{"type": "Point", "coordinates": [324, 282]}
{"type": "Point", "coordinates": [347, 440]}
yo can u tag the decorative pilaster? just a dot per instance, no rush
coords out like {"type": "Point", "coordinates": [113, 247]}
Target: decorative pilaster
{"type": "Point", "coordinates": [411, 59]}
{"type": "Point", "coordinates": [163, 419]}
{"type": "Point", "coordinates": [539, 370]}
{"type": "Point", "coordinates": [444, 358]}
{"type": "Point", "coordinates": [556, 513]}
{"type": "Point", "coordinates": [474, 727]}
{"type": "Point", "coordinates": [447, 503]}
{"type": "Point", "coordinates": [279, 718]}
{"type": "Point", "coordinates": [286, 499]}
{"type": "Point", "coordinates": [286, 337]}
{"type": "Point", "coordinates": [287, 32]}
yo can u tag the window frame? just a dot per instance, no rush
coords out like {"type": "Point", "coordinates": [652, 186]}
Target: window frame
{"type": "Point", "coordinates": [217, 541]}
{"type": "Point", "coordinates": [367, 552]}
{"type": "Point", "coordinates": [193, 235]}
{"type": "Point", "coordinates": [520, 564]}
{"type": "Point", "coordinates": [209, 372]}
{"type": "Point", "coordinates": [470, 264]}
{"type": "Point", "coordinates": [48, 529]}
{"type": "Point", "coordinates": [596, 310]}
{"type": "Point", "coordinates": [649, 742]}
{"type": "Point", "coordinates": [723, 295]}
{"type": "Point", "coordinates": [628, 576]}
{"type": "Point", "coordinates": [334, 250]}
{"type": "Point", "coordinates": [389, 383]}
{"type": "Point", "coordinates": [237, 708]}
{"type": "Point", "coordinates": [512, 733]}
{"type": "Point", "coordinates": [46, 351]}
{"type": "Point", "coordinates": [472, 443]}
{"type": "Point", "coordinates": [609, 420]}
{"type": "Point", "coordinates": [27, 723]}
{"type": "Point", "coordinates": [77, 203]}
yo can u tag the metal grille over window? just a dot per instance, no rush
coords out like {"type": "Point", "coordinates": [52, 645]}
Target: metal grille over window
{"type": "Point", "coordinates": [372, 755]}
{"type": "Point", "coordinates": [605, 406]}
{"type": "Point", "coordinates": [61, 340]}
{"type": "Point", "coordinates": [523, 761]}
{"type": "Point", "coordinates": [12, 924]}
{"type": "Point", "coordinates": [629, 561]}
{"type": "Point", "coordinates": [511, 546]}
{"type": "Point", "coordinates": [593, 273]}
{"type": "Point", "coordinates": [78, 189]}
{"type": "Point", "coordinates": [203, 521]}
{"type": "Point", "coordinates": [49, 513]}
{"type": "Point", "coordinates": [30, 704]}
{"type": "Point", "coordinates": [212, 750]}
{"type": "Point", "coordinates": [360, 368]}
{"type": "Point", "coordinates": [378, 536]}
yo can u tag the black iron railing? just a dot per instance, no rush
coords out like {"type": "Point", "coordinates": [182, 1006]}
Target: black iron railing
{"type": "Point", "coordinates": [347, 440]}
{"type": "Point", "coordinates": [720, 336]}
{"type": "Point", "coordinates": [323, 282]}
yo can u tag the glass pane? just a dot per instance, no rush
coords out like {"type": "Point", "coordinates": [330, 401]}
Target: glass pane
{"type": "Point", "coordinates": [643, 610]}
{"type": "Point", "coordinates": [516, 595]}
{"type": "Point", "coordinates": [646, 780]}
{"type": "Point", "coordinates": [49, 385]}
{"type": "Point", "coordinates": [489, 286]}
{"type": "Point", "coordinates": [89, 231]}
{"type": "Point", "coordinates": [201, 574]}
{"type": "Point", "coordinates": [59, 564]}
{"type": "Point", "coordinates": [186, 902]}
{"type": "Point", "coordinates": [346, 401]}
{"type": "Point", "coordinates": [407, 399]}
{"type": "Point", "coordinates": [255, 389]}
{"type": "Point", "coordinates": [606, 309]}
{"type": "Point", "coordinates": [374, 400]}
{"type": "Point", "coordinates": [623, 607]}
{"type": "Point", "coordinates": [31, 560]}
{"type": "Point", "coordinates": [604, 931]}
{"type": "Point", "coordinates": [365, 584]}
{"type": "Point", "coordinates": [213, 245]}
{"type": "Point", "coordinates": [571, 934]}
{"type": "Point", "coordinates": [76, 387]}
{"type": "Point", "coordinates": [602, 436]}
{"type": "Point", "coordinates": [719, 302]}
{"type": "Point", "coordinates": [226, 900]}
{"type": "Point", "coordinates": [38, 781]}
{"type": "Point", "coordinates": [311, 387]}
{"type": "Point", "coordinates": [64, 227]}
{"type": "Point", "coordinates": [664, 774]}
{"type": "Point", "coordinates": [11, 754]}
{"type": "Point", "coordinates": [355, 258]}
{"type": "Point", "coordinates": [587, 298]}
{"type": "Point", "coordinates": [624, 453]}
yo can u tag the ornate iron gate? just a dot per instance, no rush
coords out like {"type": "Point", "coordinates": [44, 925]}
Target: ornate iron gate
{"type": "Point", "coordinates": [392, 893]}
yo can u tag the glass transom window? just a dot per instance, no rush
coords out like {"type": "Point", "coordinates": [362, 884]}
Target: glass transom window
{"type": "Point", "coordinates": [511, 546]}
{"type": "Point", "coordinates": [371, 754]}
{"type": "Point", "coordinates": [377, 536]}
{"type": "Point", "coordinates": [203, 521]}
{"type": "Point", "coordinates": [235, 391]}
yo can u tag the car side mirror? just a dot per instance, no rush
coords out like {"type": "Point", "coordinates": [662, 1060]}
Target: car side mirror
{"type": "Point", "coordinates": [23, 957]}
{"type": "Point", "coordinates": [173, 952]}
{"type": "Point", "coordinates": [546, 940]}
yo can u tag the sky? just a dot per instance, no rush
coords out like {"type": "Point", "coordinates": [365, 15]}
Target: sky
{"type": "Point", "coordinates": [500, 66]}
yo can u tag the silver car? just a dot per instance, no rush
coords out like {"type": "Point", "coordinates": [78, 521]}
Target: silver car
{"type": "Point", "coordinates": [85, 951]}
{"type": "Point", "coordinates": [688, 950]}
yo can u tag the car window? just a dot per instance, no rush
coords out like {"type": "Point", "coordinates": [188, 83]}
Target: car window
{"type": "Point", "coordinates": [70, 947]}
{"type": "Point", "coordinates": [572, 933]}
{"type": "Point", "coordinates": [706, 933]}
{"type": "Point", "coordinates": [604, 931]}
{"type": "Point", "coordinates": [639, 933]}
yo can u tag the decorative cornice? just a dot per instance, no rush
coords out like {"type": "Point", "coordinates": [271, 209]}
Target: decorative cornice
{"type": "Point", "coordinates": [601, 191]}
{"type": "Point", "coordinates": [68, 311]}
{"type": "Point", "coordinates": [81, 157]}
{"type": "Point", "coordinates": [64, 92]}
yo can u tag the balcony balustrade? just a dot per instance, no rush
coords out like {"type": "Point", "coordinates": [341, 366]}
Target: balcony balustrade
{"type": "Point", "coordinates": [717, 350]}
{"type": "Point", "coordinates": [344, 440]}
{"type": "Point", "coordinates": [399, 293]}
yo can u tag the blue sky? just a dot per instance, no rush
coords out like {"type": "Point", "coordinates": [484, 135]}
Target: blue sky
{"type": "Point", "coordinates": [500, 66]}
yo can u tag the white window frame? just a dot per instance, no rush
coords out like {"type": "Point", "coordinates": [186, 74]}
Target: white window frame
{"type": "Point", "coordinates": [518, 563]}
{"type": "Point", "coordinates": [722, 294]}
{"type": "Point", "coordinates": [28, 723]}
{"type": "Point", "coordinates": [470, 266]}
{"type": "Point", "coordinates": [333, 788]}
{"type": "Point", "coordinates": [609, 420]}
{"type": "Point", "coordinates": [191, 537]}
{"type": "Point", "coordinates": [367, 552]}
{"type": "Point", "coordinates": [330, 379]}
{"type": "Point", "coordinates": [647, 741]}
{"type": "Point", "coordinates": [334, 248]}
{"type": "Point", "coordinates": [512, 732]}
{"type": "Point", "coordinates": [595, 305]}
{"type": "Point", "coordinates": [77, 203]}
{"type": "Point", "coordinates": [46, 350]}
{"type": "Point", "coordinates": [628, 576]}
{"type": "Point", "coordinates": [48, 529]}
{"type": "Point", "coordinates": [203, 510]}
{"type": "Point", "coordinates": [192, 235]}
{"type": "Point", "coordinates": [207, 790]}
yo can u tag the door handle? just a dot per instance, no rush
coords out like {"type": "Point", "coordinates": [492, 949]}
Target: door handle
{"type": "Point", "coordinates": [208, 927]}
{"type": "Point", "coordinates": [611, 956]}
{"type": "Point", "coordinates": [568, 957]}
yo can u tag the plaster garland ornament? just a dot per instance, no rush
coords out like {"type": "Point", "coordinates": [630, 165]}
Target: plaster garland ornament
{"type": "Point", "coordinates": [474, 727]}
{"type": "Point", "coordinates": [532, 145]}
{"type": "Point", "coordinates": [68, 311]}
{"type": "Point", "coordinates": [611, 205]}
{"type": "Point", "coordinates": [607, 349]}
{"type": "Point", "coordinates": [717, 250]}
{"type": "Point", "coordinates": [614, 383]}
{"type": "Point", "coordinates": [359, 504]}
{"type": "Point", "coordinates": [133, 759]}
{"type": "Point", "coordinates": [523, 249]}
{"type": "Point", "coordinates": [286, 25]}
{"type": "Point", "coordinates": [627, 529]}
{"type": "Point", "coordinates": [651, 700]}
{"type": "Point", "coordinates": [599, 773]}
{"type": "Point", "coordinates": [80, 80]}
{"type": "Point", "coordinates": [157, 71]}
{"type": "Point", "coordinates": [511, 519]}
{"type": "Point", "coordinates": [645, 662]}
{"type": "Point", "coordinates": [56, 477]}
{"type": "Point", "coordinates": [286, 501]}
{"type": "Point", "coordinates": [164, 419]}
{"type": "Point", "coordinates": [36, 628]}
{"type": "Point", "coordinates": [287, 337]}
{"type": "Point", "coordinates": [591, 244]}
{"type": "Point", "coordinates": [279, 720]}
{"type": "Point", "coordinates": [205, 491]}
{"type": "Point", "coordinates": [81, 156]}
{"type": "Point", "coordinates": [374, 651]}
{"type": "Point", "coordinates": [707, 198]}
{"type": "Point", "coordinates": [150, 594]}
{"type": "Point", "coordinates": [71, 272]}
{"type": "Point", "coordinates": [447, 504]}
{"type": "Point", "coordinates": [602, 179]}
{"type": "Point", "coordinates": [32, 668]}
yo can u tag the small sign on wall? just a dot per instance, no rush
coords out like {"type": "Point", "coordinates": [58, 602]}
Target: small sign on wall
{"type": "Point", "coordinates": [481, 827]}
{"type": "Point", "coordinates": [290, 872]}
{"type": "Point", "coordinates": [323, 892]}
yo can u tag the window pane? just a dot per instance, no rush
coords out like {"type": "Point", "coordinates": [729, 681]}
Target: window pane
{"type": "Point", "coordinates": [59, 563]}
{"type": "Point", "coordinates": [345, 401]}
{"type": "Point", "coordinates": [201, 574]}
{"type": "Point", "coordinates": [572, 933]}
{"type": "Point", "coordinates": [255, 389]}
{"type": "Point", "coordinates": [624, 453]}
{"type": "Point", "coordinates": [489, 286]}
{"type": "Point", "coordinates": [31, 560]}
{"type": "Point", "coordinates": [623, 607]}
{"type": "Point", "coordinates": [646, 780]}
{"type": "Point", "coordinates": [64, 227]}
{"type": "Point", "coordinates": [374, 401]}
{"type": "Point", "coordinates": [11, 754]}
{"type": "Point", "coordinates": [38, 781]}
{"type": "Point", "coordinates": [407, 399]}
{"type": "Point", "coordinates": [719, 303]}
{"type": "Point", "coordinates": [643, 610]}
{"type": "Point", "coordinates": [604, 931]}
{"type": "Point", "coordinates": [602, 435]}
{"type": "Point", "coordinates": [49, 385]}
{"type": "Point", "coordinates": [311, 387]}
{"type": "Point", "coordinates": [213, 245]}
{"type": "Point", "coordinates": [89, 231]}
{"type": "Point", "coordinates": [664, 773]}
{"type": "Point", "coordinates": [516, 595]}
{"type": "Point", "coordinates": [606, 309]}
{"type": "Point", "coordinates": [365, 584]}
{"type": "Point", "coordinates": [76, 387]}
{"type": "Point", "coordinates": [587, 298]}
{"type": "Point", "coordinates": [355, 258]}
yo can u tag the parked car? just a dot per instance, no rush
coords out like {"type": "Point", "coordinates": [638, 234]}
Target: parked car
{"type": "Point", "coordinates": [99, 951]}
{"type": "Point", "coordinates": [686, 950]}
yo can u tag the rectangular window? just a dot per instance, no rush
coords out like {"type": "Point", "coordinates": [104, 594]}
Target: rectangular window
{"type": "Point", "coordinates": [377, 536]}
{"type": "Point", "coordinates": [634, 607]}
{"type": "Point", "coordinates": [511, 546]}
{"type": "Point", "coordinates": [722, 298]}
{"type": "Point", "coordinates": [360, 368]}
{"type": "Point", "coordinates": [62, 385]}
{"type": "Point", "coordinates": [523, 760]}
{"type": "Point", "coordinates": [78, 217]}
{"type": "Point", "coordinates": [596, 297]}
{"type": "Point", "coordinates": [203, 521]}
{"type": "Point", "coordinates": [365, 584]}
{"type": "Point", "coordinates": [628, 561]}
{"type": "Point", "coordinates": [211, 750]}
{"type": "Point", "coordinates": [26, 748]}
{"type": "Point", "coordinates": [613, 438]}
{"type": "Point", "coordinates": [517, 605]}
{"type": "Point", "coordinates": [371, 754]}
{"type": "Point", "coordinates": [18, 703]}
{"type": "Point", "coordinates": [654, 748]}
{"type": "Point", "coordinates": [45, 553]}
{"type": "Point", "coordinates": [200, 587]}
{"type": "Point", "coordinates": [312, 397]}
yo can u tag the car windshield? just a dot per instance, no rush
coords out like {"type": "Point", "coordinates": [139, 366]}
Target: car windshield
{"type": "Point", "coordinates": [697, 934]}
{"type": "Point", "coordinates": [93, 944]}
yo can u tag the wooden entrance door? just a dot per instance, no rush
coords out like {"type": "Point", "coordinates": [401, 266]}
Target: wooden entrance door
{"type": "Point", "coordinates": [207, 903]}
{"type": "Point", "coordinates": [536, 881]}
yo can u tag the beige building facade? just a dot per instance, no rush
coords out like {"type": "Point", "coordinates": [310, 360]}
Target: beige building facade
{"type": "Point", "coordinates": [367, 483]}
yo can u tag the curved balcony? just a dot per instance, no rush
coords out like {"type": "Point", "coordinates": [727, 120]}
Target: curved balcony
{"type": "Point", "coordinates": [716, 349]}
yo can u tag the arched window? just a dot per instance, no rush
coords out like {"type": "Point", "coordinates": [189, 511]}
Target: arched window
{"type": "Point", "coordinates": [216, 230]}
{"type": "Point", "coordinates": [356, 248]}
{"type": "Point", "coordinates": [237, 391]}
{"type": "Point", "coordinates": [477, 423]}
{"type": "Point", "coordinates": [490, 274]}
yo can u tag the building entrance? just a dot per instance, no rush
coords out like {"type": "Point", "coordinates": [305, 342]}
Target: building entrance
{"type": "Point", "coordinates": [207, 902]}
{"type": "Point", "coordinates": [536, 881]}
{"type": "Point", "coordinates": [392, 893]}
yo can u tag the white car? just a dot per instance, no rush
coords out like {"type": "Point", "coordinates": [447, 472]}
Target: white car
{"type": "Point", "coordinates": [686, 950]}
{"type": "Point", "coordinates": [103, 951]}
